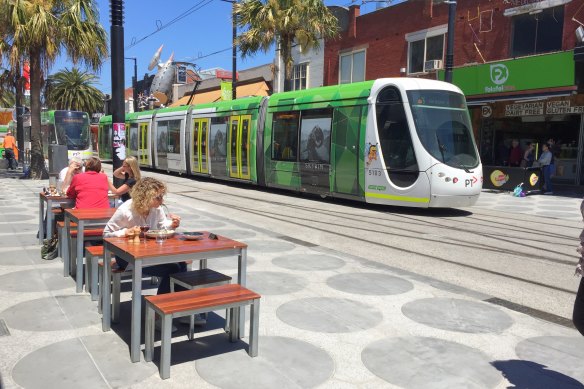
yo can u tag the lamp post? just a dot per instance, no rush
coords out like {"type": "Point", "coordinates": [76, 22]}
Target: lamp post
{"type": "Point", "coordinates": [117, 101]}
{"type": "Point", "coordinates": [450, 42]}
{"type": "Point", "coordinates": [134, 82]}
{"type": "Point", "coordinates": [234, 51]}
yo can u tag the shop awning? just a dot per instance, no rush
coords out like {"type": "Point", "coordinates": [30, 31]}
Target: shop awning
{"type": "Point", "coordinates": [259, 88]}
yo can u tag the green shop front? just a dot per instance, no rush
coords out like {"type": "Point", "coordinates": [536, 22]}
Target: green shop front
{"type": "Point", "coordinates": [530, 100]}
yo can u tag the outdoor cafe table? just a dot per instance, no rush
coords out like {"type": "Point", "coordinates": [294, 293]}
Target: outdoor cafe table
{"type": "Point", "coordinates": [151, 253]}
{"type": "Point", "coordinates": [49, 200]}
{"type": "Point", "coordinates": [82, 217]}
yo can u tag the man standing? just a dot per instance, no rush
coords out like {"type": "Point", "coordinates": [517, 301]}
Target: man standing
{"type": "Point", "coordinates": [9, 150]}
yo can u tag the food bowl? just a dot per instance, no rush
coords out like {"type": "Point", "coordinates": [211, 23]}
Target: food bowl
{"type": "Point", "coordinates": [152, 234]}
{"type": "Point", "coordinates": [192, 235]}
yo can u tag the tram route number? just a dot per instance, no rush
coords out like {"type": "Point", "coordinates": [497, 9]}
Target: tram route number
{"type": "Point", "coordinates": [375, 172]}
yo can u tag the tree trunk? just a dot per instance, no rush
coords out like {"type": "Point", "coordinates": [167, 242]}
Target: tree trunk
{"type": "Point", "coordinates": [38, 169]}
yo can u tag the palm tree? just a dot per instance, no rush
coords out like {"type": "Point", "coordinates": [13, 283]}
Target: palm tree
{"type": "Point", "coordinates": [73, 89]}
{"type": "Point", "coordinates": [284, 23]}
{"type": "Point", "coordinates": [7, 88]}
{"type": "Point", "coordinates": [39, 31]}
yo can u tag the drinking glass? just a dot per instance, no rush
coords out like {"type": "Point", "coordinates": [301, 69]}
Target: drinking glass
{"type": "Point", "coordinates": [161, 237]}
{"type": "Point", "coordinates": [143, 230]}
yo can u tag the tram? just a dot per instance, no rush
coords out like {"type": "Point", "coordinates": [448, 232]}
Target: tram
{"type": "Point", "coordinates": [70, 128]}
{"type": "Point", "coordinates": [394, 141]}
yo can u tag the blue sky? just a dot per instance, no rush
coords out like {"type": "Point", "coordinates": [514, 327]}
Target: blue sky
{"type": "Point", "coordinates": [193, 38]}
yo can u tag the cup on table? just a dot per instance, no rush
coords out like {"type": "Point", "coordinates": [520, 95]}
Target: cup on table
{"type": "Point", "coordinates": [160, 237]}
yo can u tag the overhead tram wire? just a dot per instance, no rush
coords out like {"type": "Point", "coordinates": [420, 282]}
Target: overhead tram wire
{"type": "Point", "coordinates": [196, 7]}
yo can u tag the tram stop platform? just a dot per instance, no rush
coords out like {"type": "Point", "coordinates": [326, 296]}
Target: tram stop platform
{"type": "Point", "coordinates": [327, 320]}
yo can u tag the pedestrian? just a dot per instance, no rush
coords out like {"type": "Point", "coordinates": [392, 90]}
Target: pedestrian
{"type": "Point", "coordinates": [515, 154]}
{"type": "Point", "coordinates": [90, 189]}
{"type": "Point", "coordinates": [544, 161]}
{"type": "Point", "coordinates": [528, 156]}
{"type": "Point", "coordinates": [578, 314]}
{"type": "Point", "coordinates": [9, 150]}
{"type": "Point", "coordinates": [130, 173]}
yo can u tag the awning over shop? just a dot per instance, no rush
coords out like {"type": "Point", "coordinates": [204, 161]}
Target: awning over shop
{"type": "Point", "coordinates": [259, 88]}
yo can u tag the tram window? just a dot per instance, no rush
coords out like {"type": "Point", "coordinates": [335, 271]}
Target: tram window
{"type": "Point", "coordinates": [133, 136]}
{"type": "Point", "coordinates": [162, 132]}
{"type": "Point", "coordinates": [174, 136]}
{"type": "Point", "coordinates": [285, 136]}
{"type": "Point", "coordinates": [218, 139]}
{"type": "Point", "coordinates": [315, 136]}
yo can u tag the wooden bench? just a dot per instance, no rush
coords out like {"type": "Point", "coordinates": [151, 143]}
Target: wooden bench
{"type": "Point", "coordinates": [197, 279]}
{"type": "Point", "coordinates": [116, 288]}
{"type": "Point", "coordinates": [92, 255]}
{"type": "Point", "coordinates": [190, 302]}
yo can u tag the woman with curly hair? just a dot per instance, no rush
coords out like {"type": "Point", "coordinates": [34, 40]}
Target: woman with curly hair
{"type": "Point", "coordinates": [145, 208]}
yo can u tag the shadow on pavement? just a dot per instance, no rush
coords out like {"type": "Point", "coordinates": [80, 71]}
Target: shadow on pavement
{"type": "Point", "coordinates": [526, 374]}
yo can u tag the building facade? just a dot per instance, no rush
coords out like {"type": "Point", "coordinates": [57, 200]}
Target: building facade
{"type": "Point", "coordinates": [513, 59]}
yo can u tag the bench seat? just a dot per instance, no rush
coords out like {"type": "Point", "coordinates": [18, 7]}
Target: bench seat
{"type": "Point", "coordinates": [190, 302]}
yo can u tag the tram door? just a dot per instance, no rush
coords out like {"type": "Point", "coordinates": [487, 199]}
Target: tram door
{"type": "Point", "coordinates": [239, 127]}
{"type": "Point", "coordinates": [200, 149]}
{"type": "Point", "coordinates": [143, 144]}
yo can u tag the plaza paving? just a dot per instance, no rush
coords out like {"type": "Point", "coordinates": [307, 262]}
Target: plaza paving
{"type": "Point", "coordinates": [327, 319]}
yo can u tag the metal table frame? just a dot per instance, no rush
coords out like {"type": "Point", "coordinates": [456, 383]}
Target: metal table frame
{"type": "Point", "coordinates": [50, 200]}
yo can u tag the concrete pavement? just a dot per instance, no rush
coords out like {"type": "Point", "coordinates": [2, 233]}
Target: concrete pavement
{"type": "Point", "coordinates": [328, 319]}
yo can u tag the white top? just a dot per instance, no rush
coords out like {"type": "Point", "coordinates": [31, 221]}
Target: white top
{"type": "Point", "coordinates": [61, 178]}
{"type": "Point", "coordinates": [125, 218]}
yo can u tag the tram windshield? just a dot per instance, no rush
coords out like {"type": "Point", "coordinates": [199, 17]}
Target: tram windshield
{"type": "Point", "coordinates": [443, 125]}
{"type": "Point", "coordinates": [72, 129]}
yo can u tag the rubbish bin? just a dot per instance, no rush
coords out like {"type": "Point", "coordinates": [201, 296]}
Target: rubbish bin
{"type": "Point", "coordinates": [57, 159]}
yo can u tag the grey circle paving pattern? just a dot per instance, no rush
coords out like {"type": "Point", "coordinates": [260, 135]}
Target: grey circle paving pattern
{"type": "Point", "coordinates": [67, 364]}
{"type": "Point", "coordinates": [562, 354]}
{"type": "Point", "coordinates": [236, 233]}
{"type": "Point", "coordinates": [369, 284]}
{"type": "Point", "coordinates": [11, 208]}
{"type": "Point", "coordinates": [274, 283]}
{"type": "Point", "coordinates": [458, 315]}
{"type": "Point", "coordinates": [228, 263]}
{"type": "Point", "coordinates": [267, 246]}
{"type": "Point", "coordinates": [331, 315]}
{"type": "Point", "coordinates": [52, 314]}
{"type": "Point", "coordinates": [22, 258]}
{"type": "Point", "coordinates": [205, 224]}
{"type": "Point", "coordinates": [281, 363]}
{"type": "Point", "coordinates": [34, 280]}
{"type": "Point", "coordinates": [18, 227]}
{"type": "Point", "coordinates": [421, 362]}
{"type": "Point", "coordinates": [308, 262]}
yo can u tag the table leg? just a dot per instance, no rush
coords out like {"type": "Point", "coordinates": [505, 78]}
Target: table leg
{"type": "Point", "coordinates": [66, 246]}
{"type": "Point", "coordinates": [241, 280]}
{"type": "Point", "coordinates": [79, 259]}
{"type": "Point", "coordinates": [49, 219]}
{"type": "Point", "coordinates": [136, 311]}
{"type": "Point", "coordinates": [41, 219]}
{"type": "Point", "coordinates": [105, 290]}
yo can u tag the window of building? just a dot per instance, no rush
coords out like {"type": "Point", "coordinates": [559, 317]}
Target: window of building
{"type": "Point", "coordinates": [352, 67]}
{"type": "Point", "coordinates": [538, 32]}
{"type": "Point", "coordinates": [285, 136]}
{"type": "Point", "coordinates": [425, 46]}
{"type": "Point", "coordinates": [299, 76]}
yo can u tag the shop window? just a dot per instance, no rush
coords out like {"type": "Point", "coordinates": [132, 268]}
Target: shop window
{"type": "Point", "coordinates": [538, 32]}
{"type": "Point", "coordinates": [285, 136]}
{"type": "Point", "coordinates": [299, 76]}
{"type": "Point", "coordinates": [425, 46]}
{"type": "Point", "coordinates": [315, 136]}
{"type": "Point", "coordinates": [352, 67]}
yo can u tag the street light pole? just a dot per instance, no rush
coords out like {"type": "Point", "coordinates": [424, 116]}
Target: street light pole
{"type": "Point", "coordinates": [450, 42]}
{"type": "Point", "coordinates": [117, 101]}
{"type": "Point", "coordinates": [234, 54]}
{"type": "Point", "coordinates": [134, 82]}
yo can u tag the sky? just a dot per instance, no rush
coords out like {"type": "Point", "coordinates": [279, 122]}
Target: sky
{"type": "Point", "coordinates": [202, 36]}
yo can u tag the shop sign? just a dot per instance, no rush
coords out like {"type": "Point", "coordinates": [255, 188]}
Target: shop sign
{"type": "Point", "coordinates": [524, 109]}
{"type": "Point", "coordinates": [515, 74]}
{"type": "Point", "coordinates": [562, 107]}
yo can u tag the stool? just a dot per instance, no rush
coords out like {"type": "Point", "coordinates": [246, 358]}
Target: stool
{"type": "Point", "coordinates": [92, 255]}
{"type": "Point", "coordinates": [116, 288]}
{"type": "Point", "coordinates": [190, 302]}
{"type": "Point", "coordinates": [196, 279]}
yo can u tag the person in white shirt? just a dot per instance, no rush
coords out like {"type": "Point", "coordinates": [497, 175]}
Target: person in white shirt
{"type": "Point", "coordinates": [66, 174]}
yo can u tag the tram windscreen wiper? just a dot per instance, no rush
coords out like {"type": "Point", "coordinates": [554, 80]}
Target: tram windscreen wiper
{"type": "Point", "coordinates": [441, 147]}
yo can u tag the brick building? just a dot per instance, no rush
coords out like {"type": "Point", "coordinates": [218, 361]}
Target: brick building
{"type": "Point", "coordinates": [513, 59]}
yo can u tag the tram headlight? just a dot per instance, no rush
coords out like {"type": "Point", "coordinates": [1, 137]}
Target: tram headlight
{"type": "Point", "coordinates": [447, 179]}
{"type": "Point", "coordinates": [441, 174]}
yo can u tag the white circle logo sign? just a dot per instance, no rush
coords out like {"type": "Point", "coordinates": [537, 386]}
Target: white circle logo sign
{"type": "Point", "coordinates": [486, 111]}
{"type": "Point", "coordinates": [499, 73]}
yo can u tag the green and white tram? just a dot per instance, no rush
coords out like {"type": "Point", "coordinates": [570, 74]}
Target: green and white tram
{"type": "Point", "coordinates": [399, 141]}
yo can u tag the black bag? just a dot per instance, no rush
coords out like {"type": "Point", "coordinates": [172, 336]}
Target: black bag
{"type": "Point", "coordinates": [50, 248]}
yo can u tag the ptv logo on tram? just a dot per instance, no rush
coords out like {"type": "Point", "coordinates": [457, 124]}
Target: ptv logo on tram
{"type": "Point", "coordinates": [470, 182]}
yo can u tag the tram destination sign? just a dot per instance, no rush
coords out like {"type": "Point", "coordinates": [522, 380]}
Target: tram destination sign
{"type": "Point", "coordinates": [543, 108]}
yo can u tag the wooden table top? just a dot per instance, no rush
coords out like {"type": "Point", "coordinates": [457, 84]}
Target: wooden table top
{"type": "Point", "coordinates": [90, 213]}
{"type": "Point", "coordinates": [176, 245]}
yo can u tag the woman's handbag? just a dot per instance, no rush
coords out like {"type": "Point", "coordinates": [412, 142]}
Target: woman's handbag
{"type": "Point", "coordinates": [50, 248]}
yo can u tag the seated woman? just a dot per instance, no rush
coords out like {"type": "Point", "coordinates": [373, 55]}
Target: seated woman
{"type": "Point", "coordinates": [130, 173]}
{"type": "Point", "coordinates": [145, 208]}
{"type": "Point", "coordinates": [90, 189]}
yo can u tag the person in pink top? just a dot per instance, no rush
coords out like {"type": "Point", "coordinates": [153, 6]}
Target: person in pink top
{"type": "Point", "coordinates": [90, 189]}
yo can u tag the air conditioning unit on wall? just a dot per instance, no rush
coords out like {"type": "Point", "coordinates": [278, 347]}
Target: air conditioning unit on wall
{"type": "Point", "coordinates": [432, 65]}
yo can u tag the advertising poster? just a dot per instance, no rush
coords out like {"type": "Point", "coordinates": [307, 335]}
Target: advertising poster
{"type": "Point", "coordinates": [119, 140]}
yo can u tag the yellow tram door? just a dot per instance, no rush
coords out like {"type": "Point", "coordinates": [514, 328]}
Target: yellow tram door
{"type": "Point", "coordinates": [239, 134]}
{"type": "Point", "coordinates": [143, 145]}
{"type": "Point", "coordinates": [200, 146]}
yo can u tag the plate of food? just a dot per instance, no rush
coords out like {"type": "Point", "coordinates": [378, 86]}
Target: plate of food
{"type": "Point", "coordinates": [192, 235]}
{"type": "Point", "coordinates": [154, 233]}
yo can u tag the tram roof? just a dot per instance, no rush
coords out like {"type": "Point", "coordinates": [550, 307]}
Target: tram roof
{"type": "Point", "coordinates": [335, 93]}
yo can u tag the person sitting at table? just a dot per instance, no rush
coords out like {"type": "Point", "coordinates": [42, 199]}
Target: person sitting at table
{"type": "Point", "coordinates": [130, 173]}
{"type": "Point", "coordinates": [90, 189]}
{"type": "Point", "coordinates": [66, 174]}
{"type": "Point", "coordinates": [145, 208]}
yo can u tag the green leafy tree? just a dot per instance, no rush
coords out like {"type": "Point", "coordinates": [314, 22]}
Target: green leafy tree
{"type": "Point", "coordinates": [7, 89]}
{"type": "Point", "coordinates": [283, 23]}
{"type": "Point", "coordinates": [41, 31]}
{"type": "Point", "coordinates": [74, 89]}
